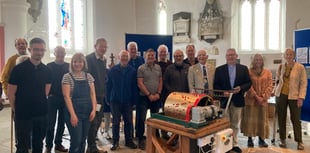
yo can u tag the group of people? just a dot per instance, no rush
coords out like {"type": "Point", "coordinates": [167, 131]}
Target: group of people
{"type": "Point", "coordinates": [38, 93]}
{"type": "Point", "coordinates": [80, 91]}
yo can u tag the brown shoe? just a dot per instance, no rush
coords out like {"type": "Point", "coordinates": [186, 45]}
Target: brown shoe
{"type": "Point", "coordinates": [300, 146]}
{"type": "Point", "coordinates": [61, 148]}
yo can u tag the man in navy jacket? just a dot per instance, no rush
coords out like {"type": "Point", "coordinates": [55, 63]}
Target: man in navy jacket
{"type": "Point", "coordinates": [234, 78]}
{"type": "Point", "coordinates": [121, 93]}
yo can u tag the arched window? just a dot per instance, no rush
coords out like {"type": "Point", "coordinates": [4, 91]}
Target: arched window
{"type": "Point", "coordinates": [67, 25]}
{"type": "Point", "coordinates": [162, 17]}
{"type": "Point", "coordinates": [260, 25]}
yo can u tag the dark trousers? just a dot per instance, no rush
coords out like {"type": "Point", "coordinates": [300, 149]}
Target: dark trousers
{"type": "Point", "coordinates": [55, 104]}
{"type": "Point", "coordinates": [33, 130]}
{"type": "Point", "coordinates": [124, 110]}
{"type": "Point", "coordinates": [141, 110]}
{"type": "Point", "coordinates": [92, 134]}
{"type": "Point", "coordinates": [282, 103]}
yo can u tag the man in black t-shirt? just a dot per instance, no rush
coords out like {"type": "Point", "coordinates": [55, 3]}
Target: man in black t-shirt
{"type": "Point", "coordinates": [29, 85]}
{"type": "Point", "coordinates": [56, 102]}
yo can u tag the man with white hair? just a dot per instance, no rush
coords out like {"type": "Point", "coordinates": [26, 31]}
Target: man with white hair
{"type": "Point", "coordinates": [200, 75]}
{"type": "Point", "coordinates": [162, 54]}
{"type": "Point", "coordinates": [135, 60]}
{"type": "Point", "coordinates": [163, 62]}
{"type": "Point", "coordinates": [121, 94]}
{"type": "Point", "coordinates": [21, 47]}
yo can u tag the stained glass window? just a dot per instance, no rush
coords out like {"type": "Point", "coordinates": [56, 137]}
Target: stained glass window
{"type": "Point", "coordinates": [67, 24]}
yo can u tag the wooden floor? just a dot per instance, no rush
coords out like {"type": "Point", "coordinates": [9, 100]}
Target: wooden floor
{"type": "Point", "coordinates": [5, 141]}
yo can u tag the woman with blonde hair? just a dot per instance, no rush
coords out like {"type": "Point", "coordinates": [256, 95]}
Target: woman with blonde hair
{"type": "Point", "coordinates": [79, 94]}
{"type": "Point", "coordinates": [290, 92]}
{"type": "Point", "coordinates": [255, 114]}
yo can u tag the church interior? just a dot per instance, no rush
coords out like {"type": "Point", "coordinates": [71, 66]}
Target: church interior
{"type": "Point", "coordinates": [212, 25]}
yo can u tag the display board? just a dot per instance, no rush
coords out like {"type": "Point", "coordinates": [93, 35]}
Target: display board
{"type": "Point", "coordinates": [147, 41]}
{"type": "Point", "coordinates": [302, 48]}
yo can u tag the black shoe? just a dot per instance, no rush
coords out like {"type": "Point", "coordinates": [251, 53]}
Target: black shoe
{"type": "Point", "coordinates": [250, 143]}
{"type": "Point", "coordinates": [236, 149]}
{"type": "Point", "coordinates": [141, 144]}
{"type": "Point", "coordinates": [114, 146]}
{"type": "Point", "coordinates": [262, 143]}
{"type": "Point", "coordinates": [165, 136]}
{"type": "Point", "coordinates": [131, 145]}
{"type": "Point", "coordinates": [61, 148]}
{"type": "Point", "coordinates": [48, 149]}
{"type": "Point", "coordinates": [282, 143]}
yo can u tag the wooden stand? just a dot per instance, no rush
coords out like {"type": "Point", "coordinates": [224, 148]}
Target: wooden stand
{"type": "Point", "coordinates": [185, 134]}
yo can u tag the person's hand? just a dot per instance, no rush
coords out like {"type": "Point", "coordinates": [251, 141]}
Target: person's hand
{"type": "Point", "coordinates": [236, 90]}
{"type": "Point", "coordinates": [300, 102]}
{"type": "Point", "coordinates": [74, 120]}
{"type": "Point", "coordinates": [92, 115]}
{"type": "Point", "coordinates": [260, 100]}
{"type": "Point", "coordinates": [152, 97]}
{"type": "Point", "coordinates": [226, 94]}
{"type": "Point", "coordinates": [156, 97]}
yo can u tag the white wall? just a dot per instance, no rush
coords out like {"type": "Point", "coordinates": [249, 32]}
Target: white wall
{"type": "Point", "coordinates": [113, 18]}
{"type": "Point", "coordinates": [294, 11]}
{"type": "Point", "coordinates": [297, 17]}
{"type": "Point", "coordinates": [196, 7]}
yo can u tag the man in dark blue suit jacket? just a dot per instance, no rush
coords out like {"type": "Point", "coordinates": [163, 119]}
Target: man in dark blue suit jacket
{"type": "Point", "coordinates": [234, 78]}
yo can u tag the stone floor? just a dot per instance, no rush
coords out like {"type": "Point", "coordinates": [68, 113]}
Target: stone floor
{"type": "Point", "coordinates": [5, 140]}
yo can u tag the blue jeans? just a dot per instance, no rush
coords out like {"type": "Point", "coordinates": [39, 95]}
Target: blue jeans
{"type": "Point", "coordinates": [78, 134]}
{"type": "Point", "coordinates": [141, 110]}
{"type": "Point", "coordinates": [55, 103]}
{"type": "Point", "coordinates": [33, 129]}
{"type": "Point", "coordinates": [121, 109]}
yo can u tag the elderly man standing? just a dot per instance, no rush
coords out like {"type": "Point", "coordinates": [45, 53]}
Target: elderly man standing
{"type": "Point", "coordinates": [190, 53]}
{"type": "Point", "coordinates": [121, 94]}
{"type": "Point", "coordinates": [28, 89]}
{"type": "Point", "coordinates": [97, 67]}
{"type": "Point", "coordinates": [163, 61]}
{"type": "Point", "coordinates": [201, 75]}
{"type": "Point", "coordinates": [56, 102]}
{"type": "Point", "coordinates": [135, 60]}
{"type": "Point", "coordinates": [175, 77]}
{"type": "Point", "coordinates": [234, 78]}
{"type": "Point", "coordinates": [21, 47]}
{"type": "Point", "coordinates": [150, 84]}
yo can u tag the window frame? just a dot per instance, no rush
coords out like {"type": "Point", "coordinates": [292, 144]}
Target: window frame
{"type": "Point", "coordinates": [236, 28]}
{"type": "Point", "coordinates": [73, 49]}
